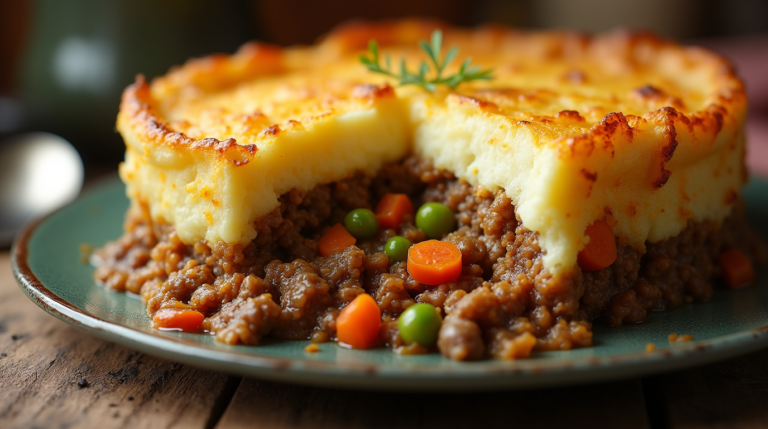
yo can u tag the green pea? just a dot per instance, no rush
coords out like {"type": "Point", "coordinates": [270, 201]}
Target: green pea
{"type": "Point", "coordinates": [361, 223]}
{"type": "Point", "coordinates": [435, 219]}
{"type": "Point", "coordinates": [420, 324]}
{"type": "Point", "coordinates": [397, 248]}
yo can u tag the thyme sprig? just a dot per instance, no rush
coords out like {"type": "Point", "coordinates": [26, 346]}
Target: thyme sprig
{"type": "Point", "coordinates": [466, 73]}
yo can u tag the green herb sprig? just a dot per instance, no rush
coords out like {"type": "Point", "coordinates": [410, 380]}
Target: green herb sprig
{"type": "Point", "coordinates": [466, 72]}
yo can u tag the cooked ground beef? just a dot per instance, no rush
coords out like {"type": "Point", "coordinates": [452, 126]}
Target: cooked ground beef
{"type": "Point", "coordinates": [504, 305]}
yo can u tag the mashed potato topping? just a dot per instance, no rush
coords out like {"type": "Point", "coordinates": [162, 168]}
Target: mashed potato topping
{"type": "Point", "coordinates": [625, 128]}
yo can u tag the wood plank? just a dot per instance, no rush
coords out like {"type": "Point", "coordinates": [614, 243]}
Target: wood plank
{"type": "Point", "coordinates": [42, 360]}
{"type": "Point", "coordinates": [260, 404]}
{"type": "Point", "coordinates": [730, 394]}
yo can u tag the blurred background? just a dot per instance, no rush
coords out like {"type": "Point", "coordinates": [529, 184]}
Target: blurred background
{"type": "Point", "coordinates": [66, 62]}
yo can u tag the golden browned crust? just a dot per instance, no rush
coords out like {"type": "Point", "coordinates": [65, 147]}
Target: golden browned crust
{"type": "Point", "coordinates": [627, 50]}
{"type": "Point", "coordinates": [137, 105]}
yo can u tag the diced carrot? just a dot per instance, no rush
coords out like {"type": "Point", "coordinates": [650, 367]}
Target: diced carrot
{"type": "Point", "coordinates": [600, 252]}
{"type": "Point", "coordinates": [736, 268]}
{"type": "Point", "coordinates": [173, 318]}
{"type": "Point", "coordinates": [335, 240]}
{"type": "Point", "coordinates": [391, 210]}
{"type": "Point", "coordinates": [359, 322]}
{"type": "Point", "coordinates": [434, 262]}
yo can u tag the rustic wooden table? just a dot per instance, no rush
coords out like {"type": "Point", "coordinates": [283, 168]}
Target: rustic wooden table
{"type": "Point", "coordinates": [53, 375]}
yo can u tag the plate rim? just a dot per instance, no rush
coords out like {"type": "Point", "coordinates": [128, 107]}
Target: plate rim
{"type": "Point", "coordinates": [521, 374]}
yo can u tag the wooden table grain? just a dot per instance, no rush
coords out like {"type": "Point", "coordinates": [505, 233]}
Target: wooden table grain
{"type": "Point", "coordinates": [53, 375]}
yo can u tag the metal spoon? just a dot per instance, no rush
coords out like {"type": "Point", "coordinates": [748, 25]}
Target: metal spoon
{"type": "Point", "coordinates": [38, 173]}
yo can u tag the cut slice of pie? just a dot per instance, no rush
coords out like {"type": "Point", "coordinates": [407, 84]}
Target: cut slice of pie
{"type": "Point", "coordinates": [237, 165]}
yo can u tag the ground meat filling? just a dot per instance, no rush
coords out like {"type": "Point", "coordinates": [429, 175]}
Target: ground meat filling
{"type": "Point", "coordinates": [504, 305]}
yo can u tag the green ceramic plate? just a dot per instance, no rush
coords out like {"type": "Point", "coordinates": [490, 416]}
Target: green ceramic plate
{"type": "Point", "coordinates": [47, 263]}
